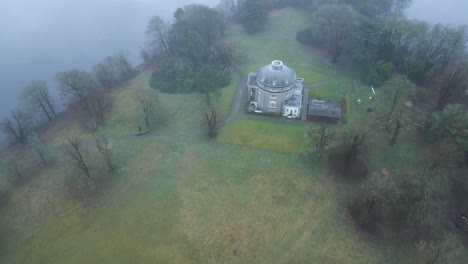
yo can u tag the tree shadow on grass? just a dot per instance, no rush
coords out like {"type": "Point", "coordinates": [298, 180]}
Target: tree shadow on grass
{"type": "Point", "coordinates": [353, 173]}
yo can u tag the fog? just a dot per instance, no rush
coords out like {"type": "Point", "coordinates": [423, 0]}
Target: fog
{"type": "Point", "coordinates": [41, 38]}
{"type": "Point", "coordinates": [451, 12]}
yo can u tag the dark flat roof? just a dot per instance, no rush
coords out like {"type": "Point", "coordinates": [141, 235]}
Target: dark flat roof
{"type": "Point", "coordinates": [252, 80]}
{"type": "Point", "coordinates": [294, 101]}
{"type": "Point", "coordinates": [324, 108]}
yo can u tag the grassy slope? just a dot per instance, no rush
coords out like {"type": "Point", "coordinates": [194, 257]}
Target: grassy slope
{"type": "Point", "coordinates": [278, 41]}
{"type": "Point", "coordinates": [309, 63]}
{"type": "Point", "coordinates": [183, 111]}
{"type": "Point", "coordinates": [279, 137]}
{"type": "Point", "coordinates": [174, 208]}
{"type": "Point", "coordinates": [185, 200]}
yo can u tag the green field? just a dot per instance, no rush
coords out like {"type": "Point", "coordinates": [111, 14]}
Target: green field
{"type": "Point", "coordinates": [169, 205]}
{"type": "Point", "coordinates": [278, 41]}
{"type": "Point", "coordinates": [181, 111]}
{"type": "Point", "coordinates": [247, 197]}
{"type": "Point", "coordinates": [333, 90]}
{"type": "Point", "coordinates": [280, 137]}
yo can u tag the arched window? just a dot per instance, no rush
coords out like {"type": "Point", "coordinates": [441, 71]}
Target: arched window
{"type": "Point", "coordinates": [272, 104]}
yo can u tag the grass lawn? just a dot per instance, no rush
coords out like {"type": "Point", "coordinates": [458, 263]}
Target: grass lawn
{"type": "Point", "coordinates": [168, 205]}
{"type": "Point", "coordinates": [333, 90]}
{"type": "Point", "coordinates": [281, 137]}
{"type": "Point", "coordinates": [182, 111]}
{"type": "Point", "coordinates": [185, 111]}
{"type": "Point", "coordinates": [223, 103]}
{"type": "Point", "coordinates": [244, 198]}
{"type": "Point", "coordinates": [278, 41]}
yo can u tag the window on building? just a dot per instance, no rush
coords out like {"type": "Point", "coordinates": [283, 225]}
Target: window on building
{"type": "Point", "coordinates": [272, 104]}
{"type": "Point", "coordinates": [273, 96]}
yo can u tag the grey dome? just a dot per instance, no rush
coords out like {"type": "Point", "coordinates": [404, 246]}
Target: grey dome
{"type": "Point", "coordinates": [276, 75]}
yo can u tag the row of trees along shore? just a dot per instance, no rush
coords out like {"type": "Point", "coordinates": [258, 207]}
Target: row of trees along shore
{"type": "Point", "coordinates": [86, 95]}
{"type": "Point", "coordinates": [193, 58]}
{"type": "Point", "coordinates": [82, 91]}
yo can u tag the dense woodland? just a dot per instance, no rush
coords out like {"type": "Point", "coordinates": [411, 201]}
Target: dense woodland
{"type": "Point", "coordinates": [420, 69]}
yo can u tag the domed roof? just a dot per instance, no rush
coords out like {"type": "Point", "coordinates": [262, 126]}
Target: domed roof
{"type": "Point", "coordinates": [276, 75]}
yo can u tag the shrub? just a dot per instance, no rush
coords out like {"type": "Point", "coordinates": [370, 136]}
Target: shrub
{"type": "Point", "coordinates": [173, 76]}
{"type": "Point", "coordinates": [385, 71]}
{"type": "Point", "coordinates": [372, 77]}
{"type": "Point", "coordinates": [451, 123]}
{"type": "Point", "coordinates": [365, 216]}
{"type": "Point", "coordinates": [306, 37]}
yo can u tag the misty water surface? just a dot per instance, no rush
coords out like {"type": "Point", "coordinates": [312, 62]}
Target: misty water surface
{"type": "Point", "coordinates": [41, 38]}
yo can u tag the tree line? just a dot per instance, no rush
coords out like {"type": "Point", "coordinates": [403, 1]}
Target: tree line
{"type": "Point", "coordinates": [83, 91]}
{"type": "Point", "coordinates": [419, 71]}
{"type": "Point", "coordinates": [195, 57]}
{"type": "Point", "coordinates": [374, 39]}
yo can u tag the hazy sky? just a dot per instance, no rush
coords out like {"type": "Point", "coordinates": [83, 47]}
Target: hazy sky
{"type": "Point", "coordinates": [452, 12]}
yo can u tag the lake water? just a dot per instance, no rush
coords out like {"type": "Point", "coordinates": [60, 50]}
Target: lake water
{"type": "Point", "coordinates": [41, 38]}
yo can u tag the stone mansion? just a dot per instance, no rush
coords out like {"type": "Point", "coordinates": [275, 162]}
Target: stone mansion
{"type": "Point", "coordinates": [275, 89]}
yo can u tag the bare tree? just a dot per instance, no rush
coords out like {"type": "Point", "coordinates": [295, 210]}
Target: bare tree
{"type": "Point", "coordinates": [98, 105]}
{"type": "Point", "coordinates": [227, 8]}
{"type": "Point", "coordinates": [149, 101]}
{"type": "Point", "coordinates": [125, 66]}
{"type": "Point", "coordinates": [37, 95]}
{"type": "Point", "coordinates": [145, 55]}
{"type": "Point", "coordinates": [441, 46]}
{"type": "Point", "coordinates": [104, 147]}
{"type": "Point", "coordinates": [212, 121]}
{"type": "Point", "coordinates": [400, 86]}
{"type": "Point", "coordinates": [157, 33]}
{"type": "Point", "coordinates": [75, 86]}
{"type": "Point", "coordinates": [319, 140]}
{"type": "Point", "coordinates": [12, 166]}
{"type": "Point", "coordinates": [353, 142]}
{"type": "Point", "coordinates": [113, 70]}
{"type": "Point", "coordinates": [35, 143]}
{"type": "Point", "coordinates": [400, 5]}
{"type": "Point", "coordinates": [85, 95]}
{"type": "Point", "coordinates": [455, 79]}
{"type": "Point", "coordinates": [17, 126]}
{"type": "Point", "coordinates": [399, 124]}
{"type": "Point", "coordinates": [73, 150]}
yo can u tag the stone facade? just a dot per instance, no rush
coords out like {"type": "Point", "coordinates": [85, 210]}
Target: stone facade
{"type": "Point", "coordinates": [275, 89]}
